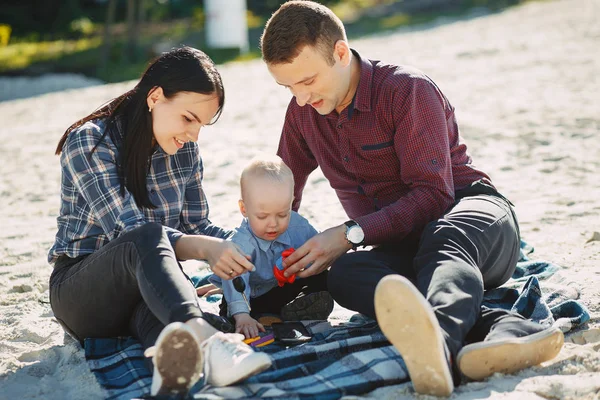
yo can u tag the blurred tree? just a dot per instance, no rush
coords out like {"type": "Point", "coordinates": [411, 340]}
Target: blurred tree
{"type": "Point", "coordinates": [68, 10]}
{"type": "Point", "coordinates": [267, 7]}
{"type": "Point", "coordinates": [130, 50]}
{"type": "Point", "coordinates": [107, 37]}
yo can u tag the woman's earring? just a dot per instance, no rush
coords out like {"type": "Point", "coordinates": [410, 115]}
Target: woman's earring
{"type": "Point", "coordinates": [149, 109]}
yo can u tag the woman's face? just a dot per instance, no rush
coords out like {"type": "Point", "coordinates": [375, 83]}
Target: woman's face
{"type": "Point", "coordinates": [178, 120]}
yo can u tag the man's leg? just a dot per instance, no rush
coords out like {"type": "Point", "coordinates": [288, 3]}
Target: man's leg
{"type": "Point", "coordinates": [475, 240]}
{"type": "Point", "coordinates": [353, 277]}
{"type": "Point", "coordinates": [475, 245]}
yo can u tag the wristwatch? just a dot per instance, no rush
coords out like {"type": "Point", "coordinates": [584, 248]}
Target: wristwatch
{"type": "Point", "coordinates": [354, 234]}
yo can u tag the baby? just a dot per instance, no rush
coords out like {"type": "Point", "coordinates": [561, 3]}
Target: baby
{"type": "Point", "coordinates": [271, 228]}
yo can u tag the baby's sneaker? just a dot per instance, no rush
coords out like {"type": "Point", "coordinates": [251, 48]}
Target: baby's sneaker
{"type": "Point", "coordinates": [312, 306]}
{"type": "Point", "coordinates": [229, 360]}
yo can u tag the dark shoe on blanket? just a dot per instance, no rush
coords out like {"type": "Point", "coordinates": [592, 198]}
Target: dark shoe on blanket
{"type": "Point", "coordinates": [312, 306]}
{"type": "Point", "coordinates": [177, 360]}
{"type": "Point", "coordinates": [407, 320]}
{"type": "Point", "coordinates": [513, 344]}
{"type": "Point", "coordinates": [218, 322]}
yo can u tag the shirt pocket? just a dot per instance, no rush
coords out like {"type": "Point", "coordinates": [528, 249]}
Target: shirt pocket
{"type": "Point", "coordinates": [377, 146]}
{"type": "Point", "coordinates": [380, 160]}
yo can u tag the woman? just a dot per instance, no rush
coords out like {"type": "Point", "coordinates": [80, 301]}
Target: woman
{"type": "Point", "coordinates": [132, 205]}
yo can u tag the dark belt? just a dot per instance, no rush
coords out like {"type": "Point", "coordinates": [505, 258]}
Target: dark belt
{"type": "Point", "coordinates": [479, 187]}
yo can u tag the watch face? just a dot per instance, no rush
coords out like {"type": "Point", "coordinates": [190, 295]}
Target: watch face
{"type": "Point", "coordinates": [356, 234]}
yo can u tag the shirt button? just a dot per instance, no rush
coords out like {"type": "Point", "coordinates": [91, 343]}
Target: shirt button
{"type": "Point", "coordinates": [339, 126]}
{"type": "Point", "coordinates": [346, 158]}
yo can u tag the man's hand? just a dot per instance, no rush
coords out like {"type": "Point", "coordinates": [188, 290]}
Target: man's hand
{"type": "Point", "coordinates": [320, 250]}
{"type": "Point", "coordinates": [247, 325]}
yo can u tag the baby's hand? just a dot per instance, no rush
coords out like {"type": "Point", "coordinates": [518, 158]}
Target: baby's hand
{"type": "Point", "coordinates": [247, 325]}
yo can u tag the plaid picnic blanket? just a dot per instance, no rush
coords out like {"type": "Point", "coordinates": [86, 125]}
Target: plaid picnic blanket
{"type": "Point", "coordinates": [348, 359]}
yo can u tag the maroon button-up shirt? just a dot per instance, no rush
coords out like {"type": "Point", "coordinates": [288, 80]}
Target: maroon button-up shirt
{"type": "Point", "coordinates": [394, 156]}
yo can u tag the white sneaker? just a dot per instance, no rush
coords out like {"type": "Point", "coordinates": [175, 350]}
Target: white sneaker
{"type": "Point", "coordinates": [229, 360]}
{"type": "Point", "coordinates": [177, 360]}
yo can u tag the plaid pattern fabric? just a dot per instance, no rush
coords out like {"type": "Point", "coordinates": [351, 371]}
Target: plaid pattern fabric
{"type": "Point", "coordinates": [349, 359]}
{"type": "Point", "coordinates": [92, 210]}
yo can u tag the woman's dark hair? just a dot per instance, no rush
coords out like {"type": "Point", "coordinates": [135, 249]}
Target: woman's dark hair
{"type": "Point", "coordinates": [183, 69]}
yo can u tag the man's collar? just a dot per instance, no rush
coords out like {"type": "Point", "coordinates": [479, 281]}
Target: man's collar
{"type": "Point", "coordinates": [362, 98]}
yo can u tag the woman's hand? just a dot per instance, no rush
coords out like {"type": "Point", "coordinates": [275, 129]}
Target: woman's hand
{"type": "Point", "coordinates": [226, 260]}
{"type": "Point", "coordinates": [247, 325]}
{"type": "Point", "coordinates": [208, 290]}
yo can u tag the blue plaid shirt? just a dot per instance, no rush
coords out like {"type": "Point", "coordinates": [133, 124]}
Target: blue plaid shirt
{"type": "Point", "coordinates": [263, 255]}
{"type": "Point", "coordinates": [92, 210]}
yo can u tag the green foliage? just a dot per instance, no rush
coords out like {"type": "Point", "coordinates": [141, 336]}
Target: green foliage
{"type": "Point", "coordinates": [5, 31]}
{"type": "Point", "coordinates": [22, 55]}
{"type": "Point", "coordinates": [82, 26]}
{"type": "Point", "coordinates": [75, 46]}
{"type": "Point", "coordinates": [198, 17]}
{"type": "Point", "coordinates": [253, 20]}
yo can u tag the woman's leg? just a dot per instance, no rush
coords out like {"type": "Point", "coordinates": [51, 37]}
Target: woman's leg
{"type": "Point", "coordinates": [98, 296]}
{"type": "Point", "coordinates": [144, 325]}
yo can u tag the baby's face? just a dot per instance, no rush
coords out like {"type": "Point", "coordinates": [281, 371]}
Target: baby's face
{"type": "Point", "coordinates": [267, 204]}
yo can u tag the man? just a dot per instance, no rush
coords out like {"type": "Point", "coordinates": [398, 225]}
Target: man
{"type": "Point", "coordinates": [387, 140]}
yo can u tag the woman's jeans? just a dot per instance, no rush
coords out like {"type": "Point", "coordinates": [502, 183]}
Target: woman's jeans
{"type": "Point", "coordinates": [474, 246]}
{"type": "Point", "coordinates": [133, 286]}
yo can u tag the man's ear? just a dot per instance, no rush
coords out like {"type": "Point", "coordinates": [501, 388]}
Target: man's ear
{"type": "Point", "coordinates": [155, 95]}
{"type": "Point", "coordinates": [341, 52]}
{"type": "Point", "coordinates": [242, 207]}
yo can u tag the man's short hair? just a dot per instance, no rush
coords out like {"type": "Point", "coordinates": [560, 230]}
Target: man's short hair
{"type": "Point", "coordinates": [298, 24]}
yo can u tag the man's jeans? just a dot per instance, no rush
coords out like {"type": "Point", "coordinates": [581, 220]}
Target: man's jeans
{"type": "Point", "coordinates": [475, 245]}
{"type": "Point", "coordinates": [131, 286]}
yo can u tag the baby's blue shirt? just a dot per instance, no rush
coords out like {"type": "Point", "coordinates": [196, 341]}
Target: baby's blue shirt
{"type": "Point", "coordinates": [263, 255]}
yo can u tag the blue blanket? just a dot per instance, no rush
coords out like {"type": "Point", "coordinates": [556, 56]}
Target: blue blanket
{"type": "Point", "coordinates": [348, 359]}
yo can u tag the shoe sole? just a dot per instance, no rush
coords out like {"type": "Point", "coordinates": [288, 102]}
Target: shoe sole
{"type": "Point", "coordinates": [481, 360]}
{"type": "Point", "coordinates": [407, 320]}
{"type": "Point", "coordinates": [178, 358]}
{"type": "Point", "coordinates": [313, 306]}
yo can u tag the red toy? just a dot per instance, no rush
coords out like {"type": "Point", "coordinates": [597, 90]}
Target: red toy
{"type": "Point", "coordinates": [278, 269]}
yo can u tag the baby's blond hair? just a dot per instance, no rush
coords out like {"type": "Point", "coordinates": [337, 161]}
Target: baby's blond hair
{"type": "Point", "coordinates": [266, 166]}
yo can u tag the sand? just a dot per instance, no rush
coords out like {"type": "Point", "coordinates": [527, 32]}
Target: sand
{"type": "Point", "coordinates": [526, 88]}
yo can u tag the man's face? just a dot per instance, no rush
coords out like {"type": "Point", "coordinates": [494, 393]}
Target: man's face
{"type": "Point", "coordinates": [313, 81]}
